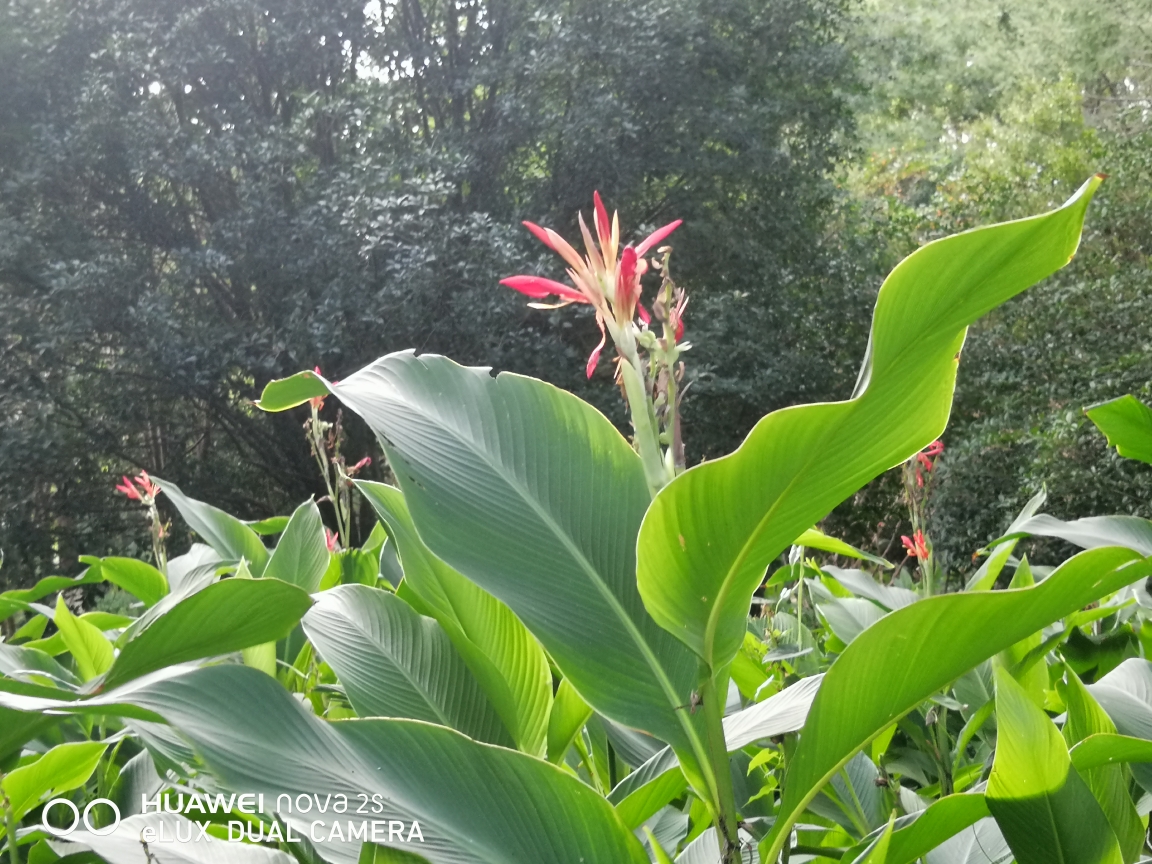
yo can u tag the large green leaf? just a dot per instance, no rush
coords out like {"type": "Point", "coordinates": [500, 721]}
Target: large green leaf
{"type": "Point", "coordinates": [1127, 424]}
{"type": "Point", "coordinates": [138, 578]}
{"type": "Point", "coordinates": [1109, 749]}
{"type": "Point", "coordinates": [394, 662]}
{"type": "Point", "coordinates": [90, 650]}
{"type": "Point", "coordinates": [912, 653]}
{"type": "Point", "coordinates": [919, 833]}
{"type": "Point", "coordinates": [1109, 783]}
{"type": "Point", "coordinates": [1132, 532]}
{"type": "Point", "coordinates": [231, 538]}
{"type": "Point", "coordinates": [710, 533]}
{"type": "Point", "coordinates": [224, 617]}
{"type": "Point", "coordinates": [1043, 806]}
{"type": "Point", "coordinates": [537, 498]}
{"type": "Point", "coordinates": [17, 661]}
{"type": "Point", "coordinates": [18, 728]}
{"type": "Point", "coordinates": [18, 599]}
{"type": "Point", "coordinates": [474, 802]}
{"type": "Point", "coordinates": [301, 556]}
{"type": "Point", "coordinates": [61, 769]}
{"type": "Point", "coordinates": [568, 715]}
{"type": "Point", "coordinates": [290, 392]}
{"type": "Point", "coordinates": [505, 658]}
{"type": "Point", "coordinates": [122, 846]}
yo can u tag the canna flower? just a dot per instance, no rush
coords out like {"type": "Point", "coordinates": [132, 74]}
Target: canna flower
{"type": "Point", "coordinates": [916, 546]}
{"type": "Point", "coordinates": [925, 457]}
{"type": "Point", "coordinates": [363, 463]}
{"type": "Point", "coordinates": [605, 277]}
{"type": "Point", "coordinates": [330, 539]}
{"type": "Point", "coordinates": [128, 489]}
{"type": "Point", "coordinates": [149, 489]}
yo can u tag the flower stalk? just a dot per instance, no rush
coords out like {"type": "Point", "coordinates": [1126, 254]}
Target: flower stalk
{"type": "Point", "coordinates": [326, 440]}
{"type": "Point", "coordinates": [146, 492]}
{"type": "Point", "coordinates": [648, 370]}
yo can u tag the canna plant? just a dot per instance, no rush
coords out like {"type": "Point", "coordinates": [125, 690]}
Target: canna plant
{"type": "Point", "coordinates": [561, 645]}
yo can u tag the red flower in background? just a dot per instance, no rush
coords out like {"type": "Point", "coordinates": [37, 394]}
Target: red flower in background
{"type": "Point", "coordinates": [604, 278]}
{"type": "Point", "coordinates": [916, 545]}
{"type": "Point", "coordinates": [147, 491]}
{"type": "Point", "coordinates": [317, 402]}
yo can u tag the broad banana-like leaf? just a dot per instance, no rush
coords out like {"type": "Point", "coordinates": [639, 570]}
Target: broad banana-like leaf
{"type": "Point", "coordinates": [1127, 424]}
{"type": "Point", "coordinates": [17, 661]}
{"type": "Point", "coordinates": [506, 659]}
{"type": "Point", "coordinates": [122, 846]}
{"type": "Point", "coordinates": [568, 716]}
{"type": "Point", "coordinates": [879, 852]}
{"type": "Point", "coordinates": [90, 650]}
{"type": "Point", "coordinates": [61, 769]}
{"type": "Point", "coordinates": [1109, 749]}
{"type": "Point", "coordinates": [138, 578]}
{"type": "Point", "coordinates": [918, 834]}
{"type": "Point", "coordinates": [999, 553]}
{"type": "Point", "coordinates": [980, 843]}
{"type": "Point", "coordinates": [1109, 783]}
{"type": "Point", "coordinates": [198, 564]}
{"type": "Point", "coordinates": [18, 599]}
{"type": "Point", "coordinates": [1132, 532]}
{"type": "Point", "coordinates": [849, 617]}
{"type": "Point", "coordinates": [301, 556]}
{"type": "Point", "coordinates": [656, 782]}
{"type": "Point", "coordinates": [227, 616]}
{"type": "Point", "coordinates": [813, 539]}
{"type": "Point", "coordinates": [231, 538]}
{"type": "Point", "coordinates": [705, 849]}
{"type": "Point", "coordinates": [534, 496]}
{"type": "Point", "coordinates": [394, 662]}
{"type": "Point", "coordinates": [474, 802]}
{"type": "Point", "coordinates": [912, 653]}
{"type": "Point", "coordinates": [711, 533]}
{"type": "Point", "coordinates": [1125, 693]}
{"type": "Point", "coordinates": [644, 792]}
{"type": "Point", "coordinates": [18, 728]}
{"type": "Point", "coordinates": [891, 597]}
{"type": "Point", "coordinates": [1043, 806]}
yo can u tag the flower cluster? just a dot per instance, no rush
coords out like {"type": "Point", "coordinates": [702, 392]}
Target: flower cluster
{"type": "Point", "coordinates": [926, 459]}
{"type": "Point", "coordinates": [146, 492]}
{"type": "Point", "coordinates": [606, 278]}
{"type": "Point", "coordinates": [916, 546]}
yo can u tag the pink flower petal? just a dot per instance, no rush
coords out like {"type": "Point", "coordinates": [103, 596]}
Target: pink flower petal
{"type": "Point", "coordinates": [656, 236]}
{"type": "Point", "coordinates": [594, 357]}
{"type": "Point", "coordinates": [538, 287]}
{"type": "Point", "coordinates": [603, 228]}
{"type": "Point", "coordinates": [539, 233]}
{"type": "Point", "coordinates": [643, 313]}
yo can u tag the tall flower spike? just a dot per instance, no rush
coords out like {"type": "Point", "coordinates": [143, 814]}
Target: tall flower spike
{"type": "Point", "coordinates": [612, 287]}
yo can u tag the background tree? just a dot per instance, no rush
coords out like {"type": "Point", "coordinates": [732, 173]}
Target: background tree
{"type": "Point", "coordinates": [199, 197]}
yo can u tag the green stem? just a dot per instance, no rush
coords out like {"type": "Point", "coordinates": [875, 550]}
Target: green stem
{"type": "Point", "coordinates": [589, 763]}
{"type": "Point", "coordinates": [647, 436]}
{"type": "Point", "coordinates": [727, 822]}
